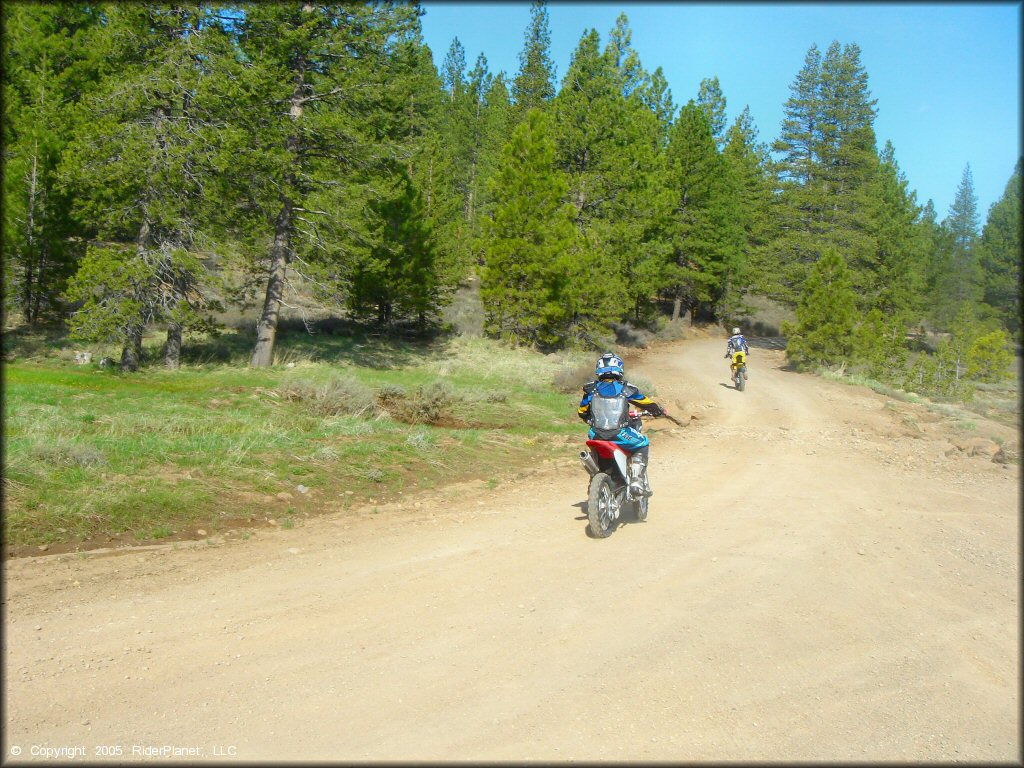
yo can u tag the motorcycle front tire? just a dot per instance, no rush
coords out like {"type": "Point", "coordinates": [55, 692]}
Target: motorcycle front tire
{"type": "Point", "coordinates": [601, 506]}
{"type": "Point", "coordinates": [640, 509]}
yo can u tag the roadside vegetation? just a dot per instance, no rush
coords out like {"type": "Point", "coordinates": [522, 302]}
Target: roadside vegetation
{"type": "Point", "coordinates": [94, 455]}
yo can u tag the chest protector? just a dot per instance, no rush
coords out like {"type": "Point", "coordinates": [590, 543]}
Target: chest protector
{"type": "Point", "coordinates": [609, 408]}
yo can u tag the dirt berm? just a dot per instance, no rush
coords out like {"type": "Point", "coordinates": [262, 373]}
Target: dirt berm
{"type": "Point", "coordinates": [823, 576]}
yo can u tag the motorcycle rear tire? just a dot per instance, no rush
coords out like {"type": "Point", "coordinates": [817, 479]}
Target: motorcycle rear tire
{"type": "Point", "coordinates": [740, 381]}
{"type": "Point", "coordinates": [601, 506]}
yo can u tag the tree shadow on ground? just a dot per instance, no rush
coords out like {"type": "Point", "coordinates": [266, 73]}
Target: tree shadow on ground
{"type": "Point", "coordinates": [330, 340]}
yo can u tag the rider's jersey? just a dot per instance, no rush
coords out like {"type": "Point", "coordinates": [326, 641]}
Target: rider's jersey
{"type": "Point", "coordinates": [605, 404]}
{"type": "Point", "coordinates": [736, 344]}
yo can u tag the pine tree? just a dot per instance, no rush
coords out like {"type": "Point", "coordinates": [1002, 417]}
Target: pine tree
{"type": "Point", "coordinates": [878, 344]}
{"type": "Point", "coordinates": [624, 58]}
{"type": "Point", "coordinates": [48, 70]}
{"type": "Point", "coordinates": [456, 151]}
{"type": "Point", "coordinates": [453, 70]}
{"type": "Point", "coordinates": [823, 332]}
{"type": "Point", "coordinates": [990, 358]}
{"type": "Point", "coordinates": [657, 97]}
{"type": "Point", "coordinates": [530, 242]}
{"type": "Point", "coordinates": [1000, 254]}
{"type": "Point", "coordinates": [797, 206]}
{"type": "Point", "coordinates": [712, 101]}
{"type": "Point", "coordinates": [588, 109]}
{"type": "Point", "coordinates": [705, 234]}
{"type": "Point", "coordinates": [351, 114]}
{"type": "Point", "coordinates": [849, 161]}
{"type": "Point", "coordinates": [439, 137]}
{"type": "Point", "coordinates": [959, 284]}
{"type": "Point", "coordinates": [608, 145]}
{"type": "Point", "coordinates": [399, 277]}
{"type": "Point", "coordinates": [827, 171]}
{"type": "Point", "coordinates": [478, 85]}
{"type": "Point", "coordinates": [898, 282]}
{"type": "Point", "coordinates": [748, 166]}
{"type": "Point", "coordinates": [139, 162]}
{"type": "Point", "coordinates": [495, 128]}
{"type": "Point", "coordinates": [928, 237]}
{"type": "Point", "coordinates": [534, 85]}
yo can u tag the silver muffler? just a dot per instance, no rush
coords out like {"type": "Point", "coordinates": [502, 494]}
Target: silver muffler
{"type": "Point", "coordinates": [588, 463]}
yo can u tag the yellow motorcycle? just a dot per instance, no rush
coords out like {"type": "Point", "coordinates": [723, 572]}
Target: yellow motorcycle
{"type": "Point", "coordinates": [739, 369]}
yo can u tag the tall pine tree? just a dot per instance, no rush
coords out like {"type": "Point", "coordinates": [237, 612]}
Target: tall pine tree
{"type": "Point", "coordinates": [534, 84]}
{"type": "Point", "coordinates": [705, 233]}
{"type": "Point", "coordinates": [827, 169]}
{"type": "Point", "coordinates": [338, 143]}
{"type": "Point", "coordinates": [1000, 254]}
{"type": "Point", "coordinates": [48, 69]}
{"type": "Point", "coordinates": [139, 166]}
{"type": "Point", "coordinates": [530, 241]}
{"type": "Point", "coordinates": [959, 283]}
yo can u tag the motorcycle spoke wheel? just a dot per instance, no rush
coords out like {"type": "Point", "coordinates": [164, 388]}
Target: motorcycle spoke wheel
{"type": "Point", "coordinates": [601, 506]}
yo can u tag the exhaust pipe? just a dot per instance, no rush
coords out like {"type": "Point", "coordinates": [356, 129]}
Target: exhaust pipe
{"type": "Point", "coordinates": [588, 463]}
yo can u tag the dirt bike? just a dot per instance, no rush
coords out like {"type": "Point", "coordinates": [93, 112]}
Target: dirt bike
{"type": "Point", "coordinates": [739, 369]}
{"type": "Point", "coordinates": [610, 495]}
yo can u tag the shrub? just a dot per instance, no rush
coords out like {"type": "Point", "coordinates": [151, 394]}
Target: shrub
{"type": "Point", "coordinates": [571, 378]}
{"type": "Point", "coordinates": [429, 404]}
{"type": "Point", "coordinates": [628, 335]}
{"type": "Point", "coordinates": [989, 358]}
{"type": "Point", "coordinates": [339, 397]}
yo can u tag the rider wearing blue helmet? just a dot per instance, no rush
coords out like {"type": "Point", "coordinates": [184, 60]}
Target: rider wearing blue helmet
{"type": "Point", "coordinates": [605, 407]}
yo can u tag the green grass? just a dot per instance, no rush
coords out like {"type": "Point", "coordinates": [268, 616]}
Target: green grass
{"type": "Point", "coordinates": [92, 453]}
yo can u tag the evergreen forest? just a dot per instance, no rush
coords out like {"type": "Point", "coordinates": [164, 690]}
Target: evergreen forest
{"type": "Point", "coordinates": [164, 161]}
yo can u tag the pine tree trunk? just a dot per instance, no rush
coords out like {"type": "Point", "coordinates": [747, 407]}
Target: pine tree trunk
{"type": "Point", "coordinates": [131, 354]}
{"type": "Point", "coordinates": [280, 255]}
{"type": "Point", "coordinates": [172, 350]}
{"type": "Point", "coordinates": [677, 304]}
{"type": "Point", "coordinates": [37, 299]}
{"type": "Point", "coordinates": [30, 239]}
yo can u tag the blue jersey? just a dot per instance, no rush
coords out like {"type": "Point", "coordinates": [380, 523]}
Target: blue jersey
{"type": "Point", "coordinates": [736, 344]}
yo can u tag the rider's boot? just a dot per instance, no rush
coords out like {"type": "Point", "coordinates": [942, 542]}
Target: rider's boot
{"type": "Point", "coordinates": [638, 484]}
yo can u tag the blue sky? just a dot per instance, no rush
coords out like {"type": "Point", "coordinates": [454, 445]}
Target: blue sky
{"type": "Point", "coordinates": [946, 75]}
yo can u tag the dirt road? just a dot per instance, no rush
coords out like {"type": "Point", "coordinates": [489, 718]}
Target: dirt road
{"type": "Point", "coordinates": [817, 581]}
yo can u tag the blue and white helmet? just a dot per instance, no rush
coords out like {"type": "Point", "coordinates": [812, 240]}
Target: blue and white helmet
{"type": "Point", "coordinates": [609, 364]}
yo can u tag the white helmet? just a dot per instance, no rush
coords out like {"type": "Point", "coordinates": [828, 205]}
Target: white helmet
{"type": "Point", "coordinates": [735, 331]}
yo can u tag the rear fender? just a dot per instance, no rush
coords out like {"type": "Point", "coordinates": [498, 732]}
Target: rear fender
{"type": "Point", "coordinates": [609, 450]}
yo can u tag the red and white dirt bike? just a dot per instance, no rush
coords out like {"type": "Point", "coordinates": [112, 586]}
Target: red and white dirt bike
{"type": "Point", "coordinates": [610, 495]}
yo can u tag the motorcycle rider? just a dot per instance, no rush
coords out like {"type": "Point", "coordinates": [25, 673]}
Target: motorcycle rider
{"type": "Point", "coordinates": [736, 343]}
{"type": "Point", "coordinates": [605, 407]}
